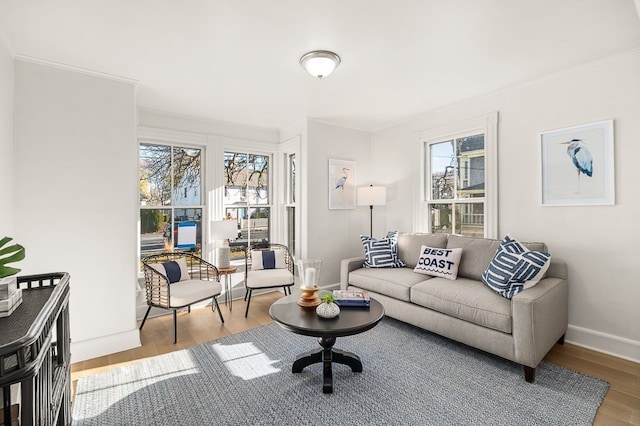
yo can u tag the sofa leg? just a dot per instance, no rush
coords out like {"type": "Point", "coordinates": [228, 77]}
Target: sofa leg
{"type": "Point", "coordinates": [561, 340]}
{"type": "Point", "coordinates": [529, 374]}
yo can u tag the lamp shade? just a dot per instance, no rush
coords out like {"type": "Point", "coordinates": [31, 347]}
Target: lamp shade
{"type": "Point", "coordinates": [320, 63]}
{"type": "Point", "coordinates": [224, 229]}
{"type": "Point", "coordinates": [371, 195]}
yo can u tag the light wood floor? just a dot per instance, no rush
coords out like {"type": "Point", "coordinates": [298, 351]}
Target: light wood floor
{"type": "Point", "coordinates": [620, 407]}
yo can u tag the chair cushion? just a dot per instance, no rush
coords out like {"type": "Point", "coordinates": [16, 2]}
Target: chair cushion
{"type": "Point", "coordinates": [266, 278]}
{"type": "Point", "coordinates": [394, 283]}
{"type": "Point", "coordinates": [267, 259]}
{"type": "Point", "coordinates": [466, 299]}
{"type": "Point", "coordinates": [186, 292]}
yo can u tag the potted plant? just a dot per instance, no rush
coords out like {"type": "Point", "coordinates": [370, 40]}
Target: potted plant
{"type": "Point", "coordinates": [9, 254]}
{"type": "Point", "coordinates": [328, 308]}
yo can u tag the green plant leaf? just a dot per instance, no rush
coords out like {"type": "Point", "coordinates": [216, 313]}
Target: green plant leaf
{"type": "Point", "coordinates": [10, 254]}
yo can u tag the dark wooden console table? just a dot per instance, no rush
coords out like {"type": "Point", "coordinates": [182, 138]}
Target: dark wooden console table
{"type": "Point", "coordinates": [35, 352]}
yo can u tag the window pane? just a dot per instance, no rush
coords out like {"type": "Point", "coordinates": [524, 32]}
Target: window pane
{"type": "Point", "coordinates": [186, 176]}
{"type": "Point", "coordinates": [258, 224]}
{"type": "Point", "coordinates": [155, 175]}
{"type": "Point", "coordinates": [154, 228]}
{"type": "Point", "coordinates": [258, 180]}
{"type": "Point", "coordinates": [291, 229]}
{"type": "Point", "coordinates": [292, 178]}
{"type": "Point", "coordinates": [442, 162]}
{"type": "Point", "coordinates": [441, 218]}
{"type": "Point", "coordinates": [235, 175]}
{"type": "Point", "coordinates": [471, 219]}
{"type": "Point", "coordinates": [470, 157]}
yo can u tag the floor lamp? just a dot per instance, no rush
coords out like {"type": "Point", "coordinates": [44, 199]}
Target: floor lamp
{"type": "Point", "coordinates": [371, 196]}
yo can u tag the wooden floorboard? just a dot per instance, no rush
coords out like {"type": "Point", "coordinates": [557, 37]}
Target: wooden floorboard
{"type": "Point", "coordinates": [621, 405]}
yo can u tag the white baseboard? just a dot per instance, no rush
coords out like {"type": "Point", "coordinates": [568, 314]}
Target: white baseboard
{"type": "Point", "coordinates": [106, 345]}
{"type": "Point", "coordinates": [610, 344]}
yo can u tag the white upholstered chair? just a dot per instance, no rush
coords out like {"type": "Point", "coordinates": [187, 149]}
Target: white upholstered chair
{"type": "Point", "coordinates": [267, 265]}
{"type": "Point", "coordinates": [177, 280]}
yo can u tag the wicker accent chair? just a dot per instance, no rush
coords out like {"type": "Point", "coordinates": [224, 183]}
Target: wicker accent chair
{"type": "Point", "coordinates": [258, 275]}
{"type": "Point", "coordinates": [196, 280]}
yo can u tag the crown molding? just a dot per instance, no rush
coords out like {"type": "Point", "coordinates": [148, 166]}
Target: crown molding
{"type": "Point", "coordinates": [74, 68]}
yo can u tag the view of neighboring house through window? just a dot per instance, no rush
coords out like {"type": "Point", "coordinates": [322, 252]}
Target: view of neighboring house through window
{"type": "Point", "coordinates": [170, 198]}
{"type": "Point", "coordinates": [246, 198]}
{"type": "Point", "coordinates": [455, 185]}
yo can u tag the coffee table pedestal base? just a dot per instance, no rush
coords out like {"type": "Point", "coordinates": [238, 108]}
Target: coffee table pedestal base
{"type": "Point", "coordinates": [327, 355]}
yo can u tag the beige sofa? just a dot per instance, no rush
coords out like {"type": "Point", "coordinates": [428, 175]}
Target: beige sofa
{"type": "Point", "coordinates": [522, 329]}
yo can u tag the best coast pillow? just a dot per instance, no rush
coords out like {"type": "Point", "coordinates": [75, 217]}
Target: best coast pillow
{"type": "Point", "coordinates": [515, 268]}
{"type": "Point", "coordinates": [267, 259]}
{"type": "Point", "coordinates": [382, 253]}
{"type": "Point", "coordinates": [175, 270]}
{"type": "Point", "coordinates": [439, 262]}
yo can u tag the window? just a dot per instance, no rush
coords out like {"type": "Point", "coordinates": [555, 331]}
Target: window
{"type": "Point", "coordinates": [170, 198]}
{"type": "Point", "coordinates": [459, 187]}
{"type": "Point", "coordinates": [291, 203]}
{"type": "Point", "coordinates": [246, 198]}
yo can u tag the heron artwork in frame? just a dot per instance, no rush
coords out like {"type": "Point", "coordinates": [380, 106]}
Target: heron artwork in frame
{"type": "Point", "coordinates": [577, 165]}
{"type": "Point", "coordinates": [342, 184]}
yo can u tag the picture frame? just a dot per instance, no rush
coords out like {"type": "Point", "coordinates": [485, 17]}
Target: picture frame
{"type": "Point", "coordinates": [577, 165]}
{"type": "Point", "coordinates": [342, 184]}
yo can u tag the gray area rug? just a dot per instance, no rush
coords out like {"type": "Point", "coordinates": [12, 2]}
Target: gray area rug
{"type": "Point", "coordinates": [410, 377]}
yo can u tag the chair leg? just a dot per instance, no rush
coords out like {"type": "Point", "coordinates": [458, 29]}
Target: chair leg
{"type": "Point", "coordinates": [245, 294]}
{"type": "Point", "coordinates": [145, 318]}
{"type": "Point", "coordinates": [175, 326]}
{"type": "Point", "coordinates": [529, 374]}
{"type": "Point", "coordinates": [189, 308]}
{"type": "Point", "coordinates": [215, 301]}
{"type": "Point", "coordinates": [248, 302]}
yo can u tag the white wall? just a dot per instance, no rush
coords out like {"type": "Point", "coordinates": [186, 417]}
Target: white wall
{"type": "Point", "coordinates": [599, 243]}
{"type": "Point", "coordinates": [333, 235]}
{"type": "Point", "coordinates": [76, 197]}
{"type": "Point", "coordinates": [6, 143]}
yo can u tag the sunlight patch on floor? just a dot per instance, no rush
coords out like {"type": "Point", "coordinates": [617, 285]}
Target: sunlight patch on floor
{"type": "Point", "coordinates": [245, 360]}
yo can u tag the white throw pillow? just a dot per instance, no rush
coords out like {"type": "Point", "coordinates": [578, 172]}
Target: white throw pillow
{"type": "Point", "coordinates": [267, 259]}
{"type": "Point", "coordinates": [439, 262]}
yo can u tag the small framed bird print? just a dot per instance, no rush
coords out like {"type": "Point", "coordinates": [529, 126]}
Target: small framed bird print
{"type": "Point", "coordinates": [342, 184]}
{"type": "Point", "coordinates": [577, 165]}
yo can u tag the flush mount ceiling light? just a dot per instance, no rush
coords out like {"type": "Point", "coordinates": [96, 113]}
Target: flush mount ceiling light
{"type": "Point", "coordinates": [320, 63]}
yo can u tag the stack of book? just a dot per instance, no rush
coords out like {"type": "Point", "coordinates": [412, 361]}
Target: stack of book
{"type": "Point", "coordinates": [352, 298]}
{"type": "Point", "coordinates": [10, 297]}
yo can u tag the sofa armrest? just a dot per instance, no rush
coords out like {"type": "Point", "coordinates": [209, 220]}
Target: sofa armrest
{"type": "Point", "coordinates": [540, 319]}
{"type": "Point", "coordinates": [346, 266]}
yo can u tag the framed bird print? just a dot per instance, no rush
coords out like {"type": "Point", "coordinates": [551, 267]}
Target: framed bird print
{"type": "Point", "coordinates": [342, 184]}
{"type": "Point", "coordinates": [577, 165]}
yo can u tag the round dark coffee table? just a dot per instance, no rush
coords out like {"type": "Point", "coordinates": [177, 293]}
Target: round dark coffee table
{"type": "Point", "coordinates": [352, 320]}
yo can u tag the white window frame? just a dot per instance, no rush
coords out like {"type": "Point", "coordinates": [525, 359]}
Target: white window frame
{"type": "Point", "coordinates": [181, 140]}
{"type": "Point", "coordinates": [486, 124]}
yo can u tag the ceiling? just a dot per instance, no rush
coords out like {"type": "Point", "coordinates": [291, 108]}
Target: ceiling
{"type": "Point", "coordinates": [237, 60]}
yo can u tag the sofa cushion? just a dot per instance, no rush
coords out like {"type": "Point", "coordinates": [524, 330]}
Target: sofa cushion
{"type": "Point", "coordinates": [439, 262]}
{"type": "Point", "coordinates": [466, 299]}
{"type": "Point", "coordinates": [382, 253]}
{"type": "Point", "coordinates": [478, 252]}
{"type": "Point", "coordinates": [394, 282]}
{"type": "Point", "coordinates": [409, 245]}
{"type": "Point", "coordinates": [515, 268]}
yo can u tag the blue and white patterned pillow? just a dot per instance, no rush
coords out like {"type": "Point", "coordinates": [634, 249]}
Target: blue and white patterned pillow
{"type": "Point", "coordinates": [515, 268]}
{"type": "Point", "coordinates": [382, 253]}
